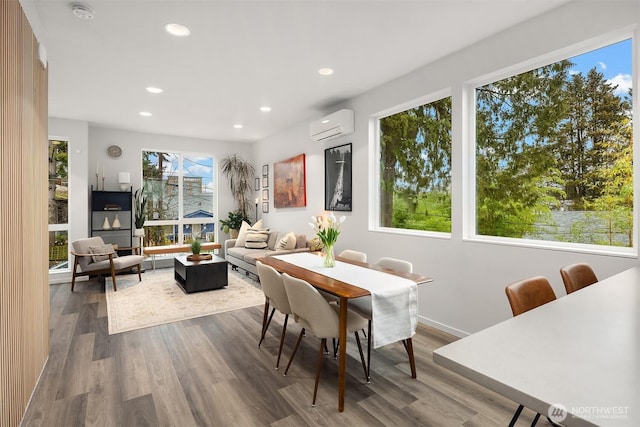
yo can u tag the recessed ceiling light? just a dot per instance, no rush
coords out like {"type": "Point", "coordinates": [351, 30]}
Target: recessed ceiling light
{"type": "Point", "coordinates": [237, 126]}
{"type": "Point", "coordinates": [325, 71]}
{"type": "Point", "coordinates": [265, 108]}
{"type": "Point", "coordinates": [82, 12]}
{"type": "Point", "coordinates": [152, 89]}
{"type": "Point", "coordinates": [145, 114]}
{"type": "Point", "coordinates": [177, 30]}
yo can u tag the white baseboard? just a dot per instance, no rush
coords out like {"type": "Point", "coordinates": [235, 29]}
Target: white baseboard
{"type": "Point", "coordinates": [443, 327]}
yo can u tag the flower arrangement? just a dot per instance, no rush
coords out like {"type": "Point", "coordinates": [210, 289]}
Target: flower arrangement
{"type": "Point", "coordinates": [328, 232]}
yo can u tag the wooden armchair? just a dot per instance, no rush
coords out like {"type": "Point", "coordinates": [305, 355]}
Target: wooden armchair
{"type": "Point", "coordinates": [93, 257]}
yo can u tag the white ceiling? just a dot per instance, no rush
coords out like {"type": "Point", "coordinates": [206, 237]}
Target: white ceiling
{"type": "Point", "coordinates": [245, 54]}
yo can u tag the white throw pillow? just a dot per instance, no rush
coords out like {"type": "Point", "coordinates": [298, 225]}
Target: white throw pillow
{"type": "Point", "coordinates": [101, 252]}
{"type": "Point", "coordinates": [257, 239]}
{"type": "Point", "coordinates": [287, 243]}
{"type": "Point", "coordinates": [242, 234]}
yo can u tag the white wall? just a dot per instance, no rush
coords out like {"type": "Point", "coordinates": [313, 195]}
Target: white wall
{"type": "Point", "coordinates": [133, 143]}
{"type": "Point", "coordinates": [467, 293]}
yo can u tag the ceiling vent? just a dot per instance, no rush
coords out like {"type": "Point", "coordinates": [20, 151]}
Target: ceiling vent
{"type": "Point", "coordinates": [332, 126]}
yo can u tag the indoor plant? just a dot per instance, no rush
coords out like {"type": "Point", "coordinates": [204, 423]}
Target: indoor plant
{"type": "Point", "coordinates": [233, 223]}
{"type": "Point", "coordinates": [196, 246]}
{"type": "Point", "coordinates": [240, 174]}
{"type": "Point", "coordinates": [139, 204]}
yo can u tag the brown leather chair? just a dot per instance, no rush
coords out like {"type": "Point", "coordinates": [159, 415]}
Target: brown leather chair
{"type": "Point", "coordinates": [523, 296]}
{"type": "Point", "coordinates": [528, 294]}
{"type": "Point", "coordinates": [577, 276]}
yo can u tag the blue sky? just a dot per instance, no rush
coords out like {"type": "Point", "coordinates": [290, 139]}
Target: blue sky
{"type": "Point", "coordinates": [614, 61]}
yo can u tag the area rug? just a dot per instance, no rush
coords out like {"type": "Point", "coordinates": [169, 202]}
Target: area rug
{"type": "Point", "coordinates": [158, 300]}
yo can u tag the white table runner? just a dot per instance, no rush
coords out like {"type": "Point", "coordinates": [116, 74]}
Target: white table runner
{"type": "Point", "coordinates": [394, 299]}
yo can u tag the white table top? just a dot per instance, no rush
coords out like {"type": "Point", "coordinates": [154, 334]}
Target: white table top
{"type": "Point", "coordinates": [581, 351]}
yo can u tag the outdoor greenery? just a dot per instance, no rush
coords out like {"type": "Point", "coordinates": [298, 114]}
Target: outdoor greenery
{"type": "Point", "coordinates": [58, 200]}
{"type": "Point", "coordinates": [549, 141]}
{"type": "Point", "coordinates": [162, 201]}
{"type": "Point", "coordinates": [58, 181]}
{"type": "Point", "coordinates": [415, 166]}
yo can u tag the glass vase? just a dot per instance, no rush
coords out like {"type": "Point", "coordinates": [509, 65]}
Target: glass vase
{"type": "Point", "coordinates": [329, 257]}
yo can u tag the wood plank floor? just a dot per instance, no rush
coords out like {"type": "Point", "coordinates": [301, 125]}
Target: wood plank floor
{"type": "Point", "coordinates": [210, 372]}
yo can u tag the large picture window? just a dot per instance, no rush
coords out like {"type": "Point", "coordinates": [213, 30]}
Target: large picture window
{"type": "Point", "coordinates": [553, 152]}
{"type": "Point", "coordinates": [180, 198]}
{"type": "Point", "coordinates": [415, 168]}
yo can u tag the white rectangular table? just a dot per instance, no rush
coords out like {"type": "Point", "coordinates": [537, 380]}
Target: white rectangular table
{"type": "Point", "coordinates": [580, 352]}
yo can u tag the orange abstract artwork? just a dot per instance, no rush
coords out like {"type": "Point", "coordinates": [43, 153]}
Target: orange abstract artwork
{"type": "Point", "coordinates": [289, 186]}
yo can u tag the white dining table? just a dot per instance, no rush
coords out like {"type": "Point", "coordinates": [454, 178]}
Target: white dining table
{"type": "Point", "coordinates": [575, 359]}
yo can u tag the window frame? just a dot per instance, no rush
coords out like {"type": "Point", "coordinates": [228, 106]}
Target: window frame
{"type": "Point", "coordinates": [62, 227]}
{"type": "Point", "coordinates": [375, 158]}
{"type": "Point", "coordinates": [469, 226]}
{"type": "Point", "coordinates": [182, 221]}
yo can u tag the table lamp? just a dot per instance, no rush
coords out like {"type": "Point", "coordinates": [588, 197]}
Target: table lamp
{"type": "Point", "coordinates": [124, 179]}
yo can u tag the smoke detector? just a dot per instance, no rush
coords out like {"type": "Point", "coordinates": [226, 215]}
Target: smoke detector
{"type": "Point", "coordinates": [82, 12]}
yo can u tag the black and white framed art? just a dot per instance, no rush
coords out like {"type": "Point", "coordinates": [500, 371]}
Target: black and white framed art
{"type": "Point", "coordinates": [337, 178]}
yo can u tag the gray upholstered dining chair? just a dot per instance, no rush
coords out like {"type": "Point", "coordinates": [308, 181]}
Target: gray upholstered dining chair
{"type": "Point", "coordinates": [92, 257]}
{"type": "Point", "coordinates": [362, 306]}
{"type": "Point", "coordinates": [353, 255]}
{"type": "Point", "coordinates": [525, 295]}
{"type": "Point", "coordinates": [275, 297]}
{"type": "Point", "coordinates": [321, 318]}
{"type": "Point", "coordinates": [577, 276]}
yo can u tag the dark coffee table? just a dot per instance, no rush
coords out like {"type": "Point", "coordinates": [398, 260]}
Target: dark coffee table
{"type": "Point", "coordinates": [200, 275]}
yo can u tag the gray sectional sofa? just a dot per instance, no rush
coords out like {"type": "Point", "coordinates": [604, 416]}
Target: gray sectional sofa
{"type": "Point", "coordinates": [245, 258]}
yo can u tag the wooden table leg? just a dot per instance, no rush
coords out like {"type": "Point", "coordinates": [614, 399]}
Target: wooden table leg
{"type": "Point", "coordinates": [342, 357]}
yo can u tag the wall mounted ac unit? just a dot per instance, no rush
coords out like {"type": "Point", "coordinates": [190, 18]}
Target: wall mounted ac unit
{"type": "Point", "coordinates": [332, 126]}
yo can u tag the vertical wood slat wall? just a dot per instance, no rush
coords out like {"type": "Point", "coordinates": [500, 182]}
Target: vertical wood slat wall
{"type": "Point", "coordinates": [24, 287]}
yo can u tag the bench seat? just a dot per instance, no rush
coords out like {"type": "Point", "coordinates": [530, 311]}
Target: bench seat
{"type": "Point", "coordinates": [174, 249]}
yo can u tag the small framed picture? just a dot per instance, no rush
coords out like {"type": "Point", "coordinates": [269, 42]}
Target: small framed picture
{"type": "Point", "coordinates": [265, 194]}
{"type": "Point", "coordinates": [265, 181]}
{"type": "Point", "coordinates": [265, 170]}
{"type": "Point", "coordinates": [257, 185]}
{"type": "Point", "coordinates": [265, 207]}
